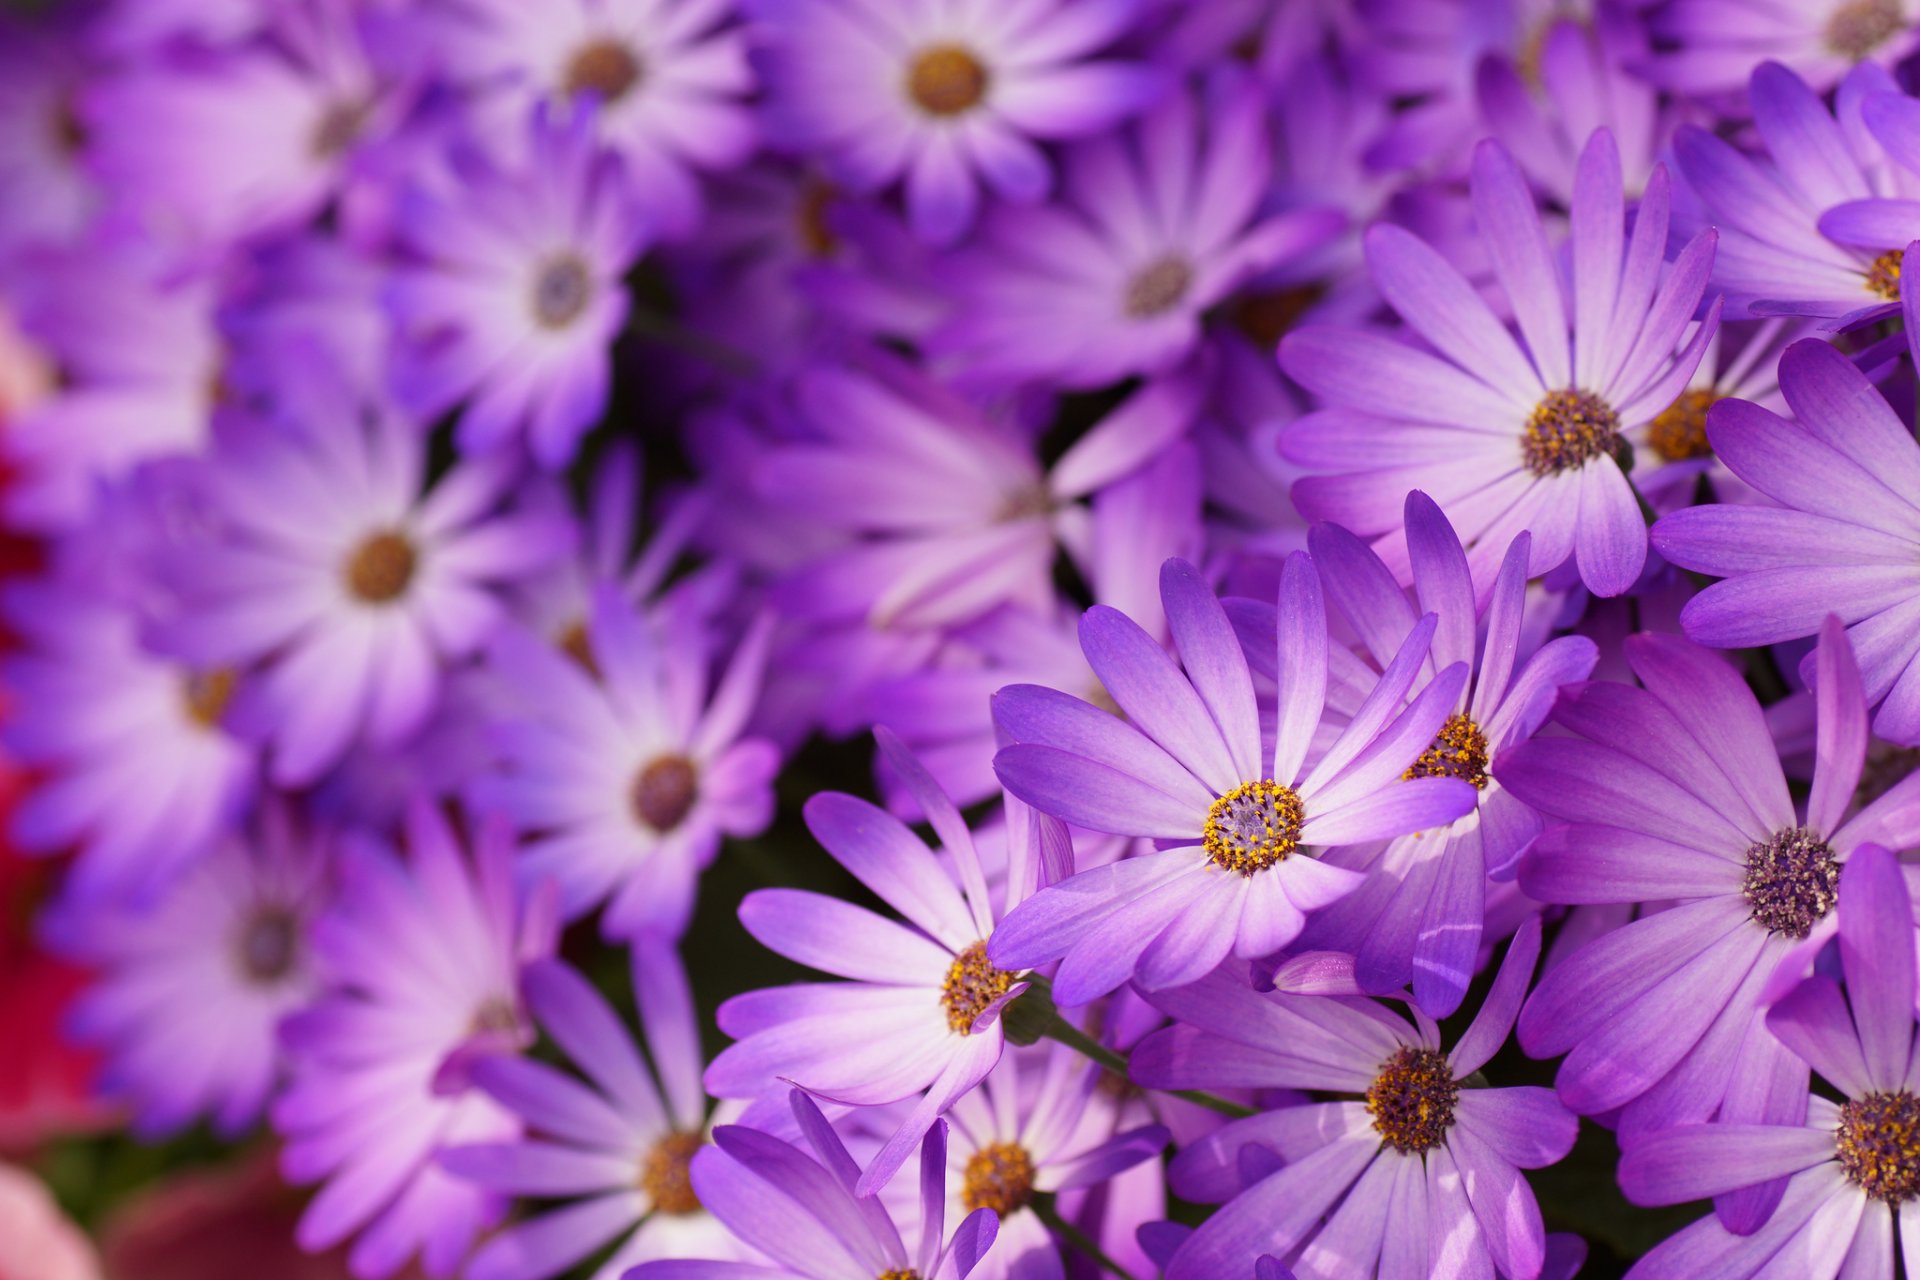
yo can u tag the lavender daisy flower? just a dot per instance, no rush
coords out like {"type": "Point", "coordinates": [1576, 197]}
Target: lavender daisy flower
{"type": "Point", "coordinates": [1710, 46]}
{"type": "Point", "coordinates": [1157, 225]}
{"type": "Point", "coordinates": [141, 774]}
{"type": "Point", "coordinates": [802, 1209]}
{"type": "Point", "coordinates": [1039, 1123]}
{"type": "Point", "coordinates": [1851, 1167]}
{"type": "Point", "coordinates": [948, 510]}
{"type": "Point", "coordinates": [422, 957]}
{"type": "Point", "coordinates": [517, 295]}
{"type": "Point", "coordinates": [192, 985]}
{"type": "Point", "coordinates": [1837, 536]}
{"type": "Point", "coordinates": [329, 564]}
{"type": "Point", "coordinates": [1425, 1142]}
{"type": "Point", "coordinates": [1508, 435]}
{"type": "Point", "coordinates": [669, 79]}
{"type": "Point", "coordinates": [1789, 245]}
{"type": "Point", "coordinates": [945, 98]}
{"type": "Point", "coordinates": [921, 1014]}
{"type": "Point", "coordinates": [1418, 920]}
{"type": "Point", "coordinates": [619, 765]}
{"type": "Point", "coordinates": [617, 1146]}
{"type": "Point", "coordinates": [1242, 833]}
{"type": "Point", "coordinates": [1674, 793]}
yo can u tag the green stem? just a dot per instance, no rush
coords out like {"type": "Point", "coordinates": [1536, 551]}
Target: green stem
{"type": "Point", "coordinates": [1058, 1029]}
{"type": "Point", "coordinates": [1043, 1209]}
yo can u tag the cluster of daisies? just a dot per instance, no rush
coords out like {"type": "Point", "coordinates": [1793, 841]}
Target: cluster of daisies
{"type": "Point", "coordinates": [1366, 541]}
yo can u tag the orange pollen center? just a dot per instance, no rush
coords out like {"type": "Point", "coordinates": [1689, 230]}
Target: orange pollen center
{"type": "Point", "coordinates": [1253, 826]}
{"type": "Point", "coordinates": [1568, 429]}
{"type": "Point", "coordinates": [606, 68]}
{"type": "Point", "coordinates": [1459, 750]}
{"type": "Point", "coordinates": [667, 1177]}
{"type": "Point", "coordinates": [380, 568]}
{"type": "Point", "coordinates": [207, 695]}
{"type": "Point", "coordinates": [664, 792]}
{"type": "Point", "coordinates": [1883, 275]}
{"type": "Point", "coordinates": [1680, 430]}
{"type": "Point", "coordinates": [1159, 287]}
{"type": "Point", "coordinates": [946, 80]}
{"type": "Point", "coordinates": [1857, 29]}
{"type": "Point", "coordinates": [972, 985]}
{"type": "Point", "coordinates": [999, 1177]}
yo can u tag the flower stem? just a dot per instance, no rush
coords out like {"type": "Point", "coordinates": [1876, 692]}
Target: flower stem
{"type": "Point", "coordinates": [1043, 1208]}
{"type": "Point", "coordinates": [1038, 1013]}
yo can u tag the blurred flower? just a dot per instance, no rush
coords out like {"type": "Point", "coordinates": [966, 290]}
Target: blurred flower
{"type": "Point", "coordinates": [36, 1240]}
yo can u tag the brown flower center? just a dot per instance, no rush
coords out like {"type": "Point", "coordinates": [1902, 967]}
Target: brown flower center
{"type": "Point", "coordinates": [575, 643]}
{"type": "Point", "coordinates": [664, 792]}
{"type": "Point", "coordinates": [1680, 430]}
{"type": "Point", "coordinates": [1878, 1145]}
{"type": "Point", "coordinates": [380, 569]}
{"type": "Point", "coordinates": [816, 231]}
{"type": "Point", "coordinates": [667, 1178]}
{"type": "Point", "coordinates": [1270, 316]}
{"type": "Point", "coordinates": [1857, 29]}
{"type": "Point", "coordinates": [561, 291]}
{"type": "Point", "coordinates": [1159, 287]}
{"type": "Point", "coordinates": [972, 985]}
{"type": "Point", "coordinates": [1459, 750]}
{"type": "Point", "coordinates": [899, 1273]}
{"type": "Point", "coordinates": [1252, 827]}
{"type": "Point", "coordinates": [1792, 882]}
{"type": "Point", "coordinates": [1411, 1100]}
{"type": "Point", "coordinates": [207, 694]}
{"type": "Point", "coordinates": [268, 946]}
{"type": "Point", "coordinates": [1568, 429]}
{"type": "Point", "coordinates": [339, 128]}
{"type": "Point", "coordinates": [946, 80]}
{"type": "Point", "coordinates": [1883, 275]}
{"type": "Point", "coordinates": [68, 130]}
{"type": "Point", "coordinates": [606, 68]}
{"type": "Point", "coordinates": [999, 1177]}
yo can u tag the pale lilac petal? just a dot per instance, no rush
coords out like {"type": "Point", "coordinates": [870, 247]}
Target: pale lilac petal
{"type": "Point", "coordinates": [1695, 1161]}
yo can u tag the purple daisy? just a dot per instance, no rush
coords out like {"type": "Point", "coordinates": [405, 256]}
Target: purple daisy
{"type": "Point", "coordinates": [1709, 46]}
{"type": "Point", "coordinates": [1418, 919]}
{"type": "Point", "coordinates": [1792, 238]}
{"type": "Point", "coordinates": [1508, 435]}
{"type": "Point", "coordinates": [620, 766]}
{"type": "Point", "coordinates": [670, 78]}
{"type": "Point", "coordinates": [1241, 833]}
{"type": "Point", "coordinates": [192, 985]}
{"type": "Point", "coordinates": [617, 1146]}
{"type": "Point", "coordinates": [1673, 793]}
{"type": "Point", "coordinates": [946, 97]}
{"type": "Point", "coordinates": [422, 956]}
{"type": "Point", "coordinates": [921, 1014]}
{"type": "Point", "coordinates": [1040, 1123]}
{"type": "Point", "coordinates": [801, 1208]}
{"type": "Point", "coordinates": [1837, 535]}
{"type": "Point", "coordinates": [1850, 1167]}
{"type": "Point", "coordinates": [329, 564]}
{"type": "Point", "coordinates": [516, 295]}
{"type": "Point", "coordinates": [946, 511]}
{"type": "Point", "coordinates": [142, 775]}
{"type": "Point", "coordinates": [1339, 1186]}
{"type": "Point", "coordinates": [1157, 225]}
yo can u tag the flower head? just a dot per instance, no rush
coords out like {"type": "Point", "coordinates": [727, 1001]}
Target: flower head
{"type": "Point", "coordinates": [1509, 435]}
{"type": "Point", "coordinates": [1240, 830]}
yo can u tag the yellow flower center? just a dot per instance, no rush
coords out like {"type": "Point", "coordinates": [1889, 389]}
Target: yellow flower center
{"type": "Point", "coordinates": [1878, 1145]}
{"type": "Point", "coordinates": [999, 1177]}
{"type": "Point", "coordinates": [946, 80]}
{"type": "Point", "coordinates": [1567, 430]}
{"type": "Point", "coordinates": [972, 985]}
{"type": "Point", "coordinates": [1680, 430]}
{"type": "Point", "coordinates": [667, 1178]}
{"type": "Point", "coordinates": [1412, 1099]}
{"type": "Point", "coordinates": [1253, 826]}
{"type": "Point", "coordinates": [1459, 750]}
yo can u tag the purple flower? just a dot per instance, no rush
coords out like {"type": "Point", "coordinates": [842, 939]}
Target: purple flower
{"type": "Point", "coordinates": [1709, 46]}
{"type": "Point", "coordinates": [801, 1208]}
{"type": "Point", "coordinates": [1241, 822]}
{"type": "Point", "coordinates": [944, 98]}
{"type": "Point", "coordinates": [620, 766]}
{"type": "Point", "coordinates": [669, 78]}
{"type": "Point", "coordinates": [47, 196]}
{"type": "Point", "coordinates": [1039, 1123]}
{"type": "Point", "coordinates": [142, 775]}
{"type": "Point", "coordinates": [617, 1146]}
{"type": "Point", "coordinates": [1673, 793]}
{"type": "Point", "coordinates": [1158, 225]}
{"type": "Point", "coordinates": [422, 956]}
{"type": "Point", "coordinates": [1850, 1168]}
{"type": "Point", "coordinates": [516, 296]}
{"type": "Point", "coordinates": [1508, 435]}
{"type": "Point", "coordinates": [1418, 918]}
{"type": "Point", "coordinates": [1792, 241]}
{"type": "Point", "coordinates": [1837, 536]}
{"type": "Point", "coordinates": [1340, 1185]}
{"type": "Point", "coordinates": [193, 984]}
{"type": "Point", "coordinates": [945, 511]}
{"type": "Point", "coordinates": [328, 564]}
{"type": "Point", "coordinates": [922, 1009]}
